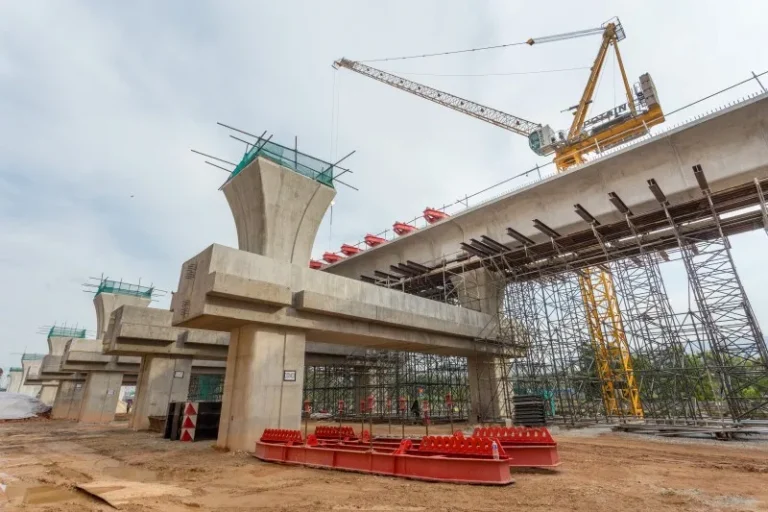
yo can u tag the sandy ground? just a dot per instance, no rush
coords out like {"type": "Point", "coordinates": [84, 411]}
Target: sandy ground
{"type": "Point", "coordinates": [42, 461]}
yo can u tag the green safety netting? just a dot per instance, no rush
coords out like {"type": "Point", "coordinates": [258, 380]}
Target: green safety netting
{"type": "Point", "coordinates": [308, 166]}
{"type": "Point", "coordinates": [206, 388]}
{"type": "Point", "coordinates": [66, 332]}
{"type": "Point", "coordinates": [16, 369]}
{"type": "Point", "coordinates": [123, 288]}
{"type": "Point", "coordinates": [32, 357]}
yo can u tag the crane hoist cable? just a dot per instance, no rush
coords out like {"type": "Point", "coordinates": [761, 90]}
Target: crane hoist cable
{"type": "Point", "coordinates": [529, 42]}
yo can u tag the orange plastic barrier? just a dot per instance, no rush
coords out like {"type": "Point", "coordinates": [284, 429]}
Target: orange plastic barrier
{"type": "Point", "coordinates": [279, 435]}
{"type": "Point", "coordinates": [526, 446]}
{"type": "Point", "coordinates": [462, 446]}
{"type": "Point", "coordinates": [522, 435]}
{"type": "Point", "coordinates": [469, 468]}
{"type": "Point", "coordinates": [331, 257]}
{"type": "Point", "coordinates": [401, 228]}
{"type": "Point", "coordinates": [349, 250]}
{"type": "Point", "coordinates": [373, 240]}
{"type": "Point", "coordinates": [431, 215]}
{"type": "Point", "coordinates": [325, 432]}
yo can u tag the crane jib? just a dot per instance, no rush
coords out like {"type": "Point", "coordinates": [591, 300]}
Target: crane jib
{"type": "Point", "coordinates": [482, 112]}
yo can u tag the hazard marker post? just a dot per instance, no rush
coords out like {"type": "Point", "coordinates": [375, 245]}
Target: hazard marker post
{"type": "Point", "coordinates": [189, 422]}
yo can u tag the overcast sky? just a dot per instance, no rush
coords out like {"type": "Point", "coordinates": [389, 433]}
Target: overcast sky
{"type": "Point", "coordinates": [101, 101]}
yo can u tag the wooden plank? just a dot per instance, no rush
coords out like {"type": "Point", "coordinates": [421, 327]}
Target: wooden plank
{"type": "Point", "coordinates": [122, 492]}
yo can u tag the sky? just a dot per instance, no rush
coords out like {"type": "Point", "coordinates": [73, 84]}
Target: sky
{"type": "Point", "coordinates": [101, 102]}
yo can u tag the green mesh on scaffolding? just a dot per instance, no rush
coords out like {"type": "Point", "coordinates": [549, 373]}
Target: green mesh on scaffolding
{"type": "Point", "coordinates": [206, 388]}
{"type": "Point", "coordinates": [308, 166]}
{"type": "Point", "coordinates": [123, 288]}
{"type": "Point", "coordinates": [16, 369]}
{"type": "Point", "coordinates": [66, 332]}
{"type": "Point", "coordinates": [32, 357]}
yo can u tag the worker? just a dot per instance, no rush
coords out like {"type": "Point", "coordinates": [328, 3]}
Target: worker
{"type": "Point", "coordinates": [415, 409]}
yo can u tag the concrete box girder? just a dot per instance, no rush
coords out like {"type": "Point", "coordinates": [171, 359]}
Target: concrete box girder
{"type": "Point", "coordinates": [731, 145]}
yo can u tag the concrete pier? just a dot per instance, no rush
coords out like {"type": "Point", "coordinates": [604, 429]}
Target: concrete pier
{"type": "Point", "coordinates": [15, 378]}
{"type": "Point", "coordinates": [48, 392]}
{"type": "Point", "coordinates": [489, 396]}
{"type": "Point", "coordinates": [277, 213]}
{"type": "Point", "coordinates": [100, 396]}
{"type": "Point", "coordinates": [263, 384]}
{"type": "Point", "coordinates": [272, 304]}
{"type": "Point", "coordinates": [487, 388]}
{"type": "Point", "coordinates": [68, 400]}
{"type": "Point", "coordinates": [161, 380]}
{"type": "Point", "coordinates": [102, 385]}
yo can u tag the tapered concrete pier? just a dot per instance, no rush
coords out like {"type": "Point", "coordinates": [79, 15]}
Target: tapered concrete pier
{"type": "Point", "coordinates": [272, 304]}
{"type": "Point", "coordinates": [102, 385]}
{"type": "Point", "coordinates": [277, 212]}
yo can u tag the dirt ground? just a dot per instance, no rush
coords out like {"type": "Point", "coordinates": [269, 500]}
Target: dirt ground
{"type": "Point", "coordinates": [42, 461]}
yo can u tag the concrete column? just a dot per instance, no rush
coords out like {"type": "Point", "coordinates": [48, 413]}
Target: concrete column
{"type": "Point", "coordinates": [68, 400]}
{"type": "Point", "coordinates": [100, 396]}
{"type": "Point", "coordinates": [488, 393]}
{"type": "Point", "coordinates": [15, 378]}
{"type": "Point", "coordinates": [161, 380]}
{"type": "Point", "coordinates": [48, 393]}
{"type": "Point", "coordinates": [487, 388]}
{"type": "Point", "coordinates": [361, 380]}
{"type": "Point", "coordinates": [263, 385]}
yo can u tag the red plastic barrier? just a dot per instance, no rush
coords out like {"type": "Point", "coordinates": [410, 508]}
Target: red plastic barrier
{"type": "Point", "coordinates": [432, 215]}
{"type": "Point", "coordinates": [373, 240]}
{"type": "Point", "coordinates": [325, 432]}
{"type": "Point", "coordinates": [471, 470]}
{"type": "Point", "coordinates": [521, 435]}
{"type": "Point", "coordinates": [526, 446]}
{"type": "Point", "coordinates": [315, 265]}
{"type": "Point", "coordinates": [332, 257]}
{"type": "Point", "coordinates": [349, 250]}
{"type": "Point", "coordinates": [280, 435]}
{"type": "Point", "coordinates": [401, 228]}
{"type": "Point", "coordinates": [461, 446]}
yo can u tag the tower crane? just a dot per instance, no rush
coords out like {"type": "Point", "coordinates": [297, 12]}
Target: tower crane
{"type": "Point", "coordinates": [585, 135]}
{"type": "Point", "coordinates": [642, 110]}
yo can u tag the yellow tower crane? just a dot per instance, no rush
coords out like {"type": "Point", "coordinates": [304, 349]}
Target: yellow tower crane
{"type": "Point", "coordinates": [586, 136]}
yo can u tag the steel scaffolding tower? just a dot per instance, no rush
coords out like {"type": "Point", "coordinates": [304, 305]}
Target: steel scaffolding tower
{"type": "Point", "coordinates": [736, 349]}
{"type": "Point", "coordinates": [707, 363]}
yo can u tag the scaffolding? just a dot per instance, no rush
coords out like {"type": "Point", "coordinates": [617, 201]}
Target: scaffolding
{"type": "Point", "coordinates": [66, 332]}
{"type": "Point", "coordinates": [639, 358]}
{"type": "Point", "coordinates": [390, 386]}
{"type": "Point", "coordinates": [103, 284]}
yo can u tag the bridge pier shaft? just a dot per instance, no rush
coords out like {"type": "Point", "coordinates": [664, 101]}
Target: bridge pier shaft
{"type": "Point", "coordinates": [161, 380]}
{"type": "Point", "coordinates": [490, 396]}
{"type": "Point", "coordinates": [263, 384]}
